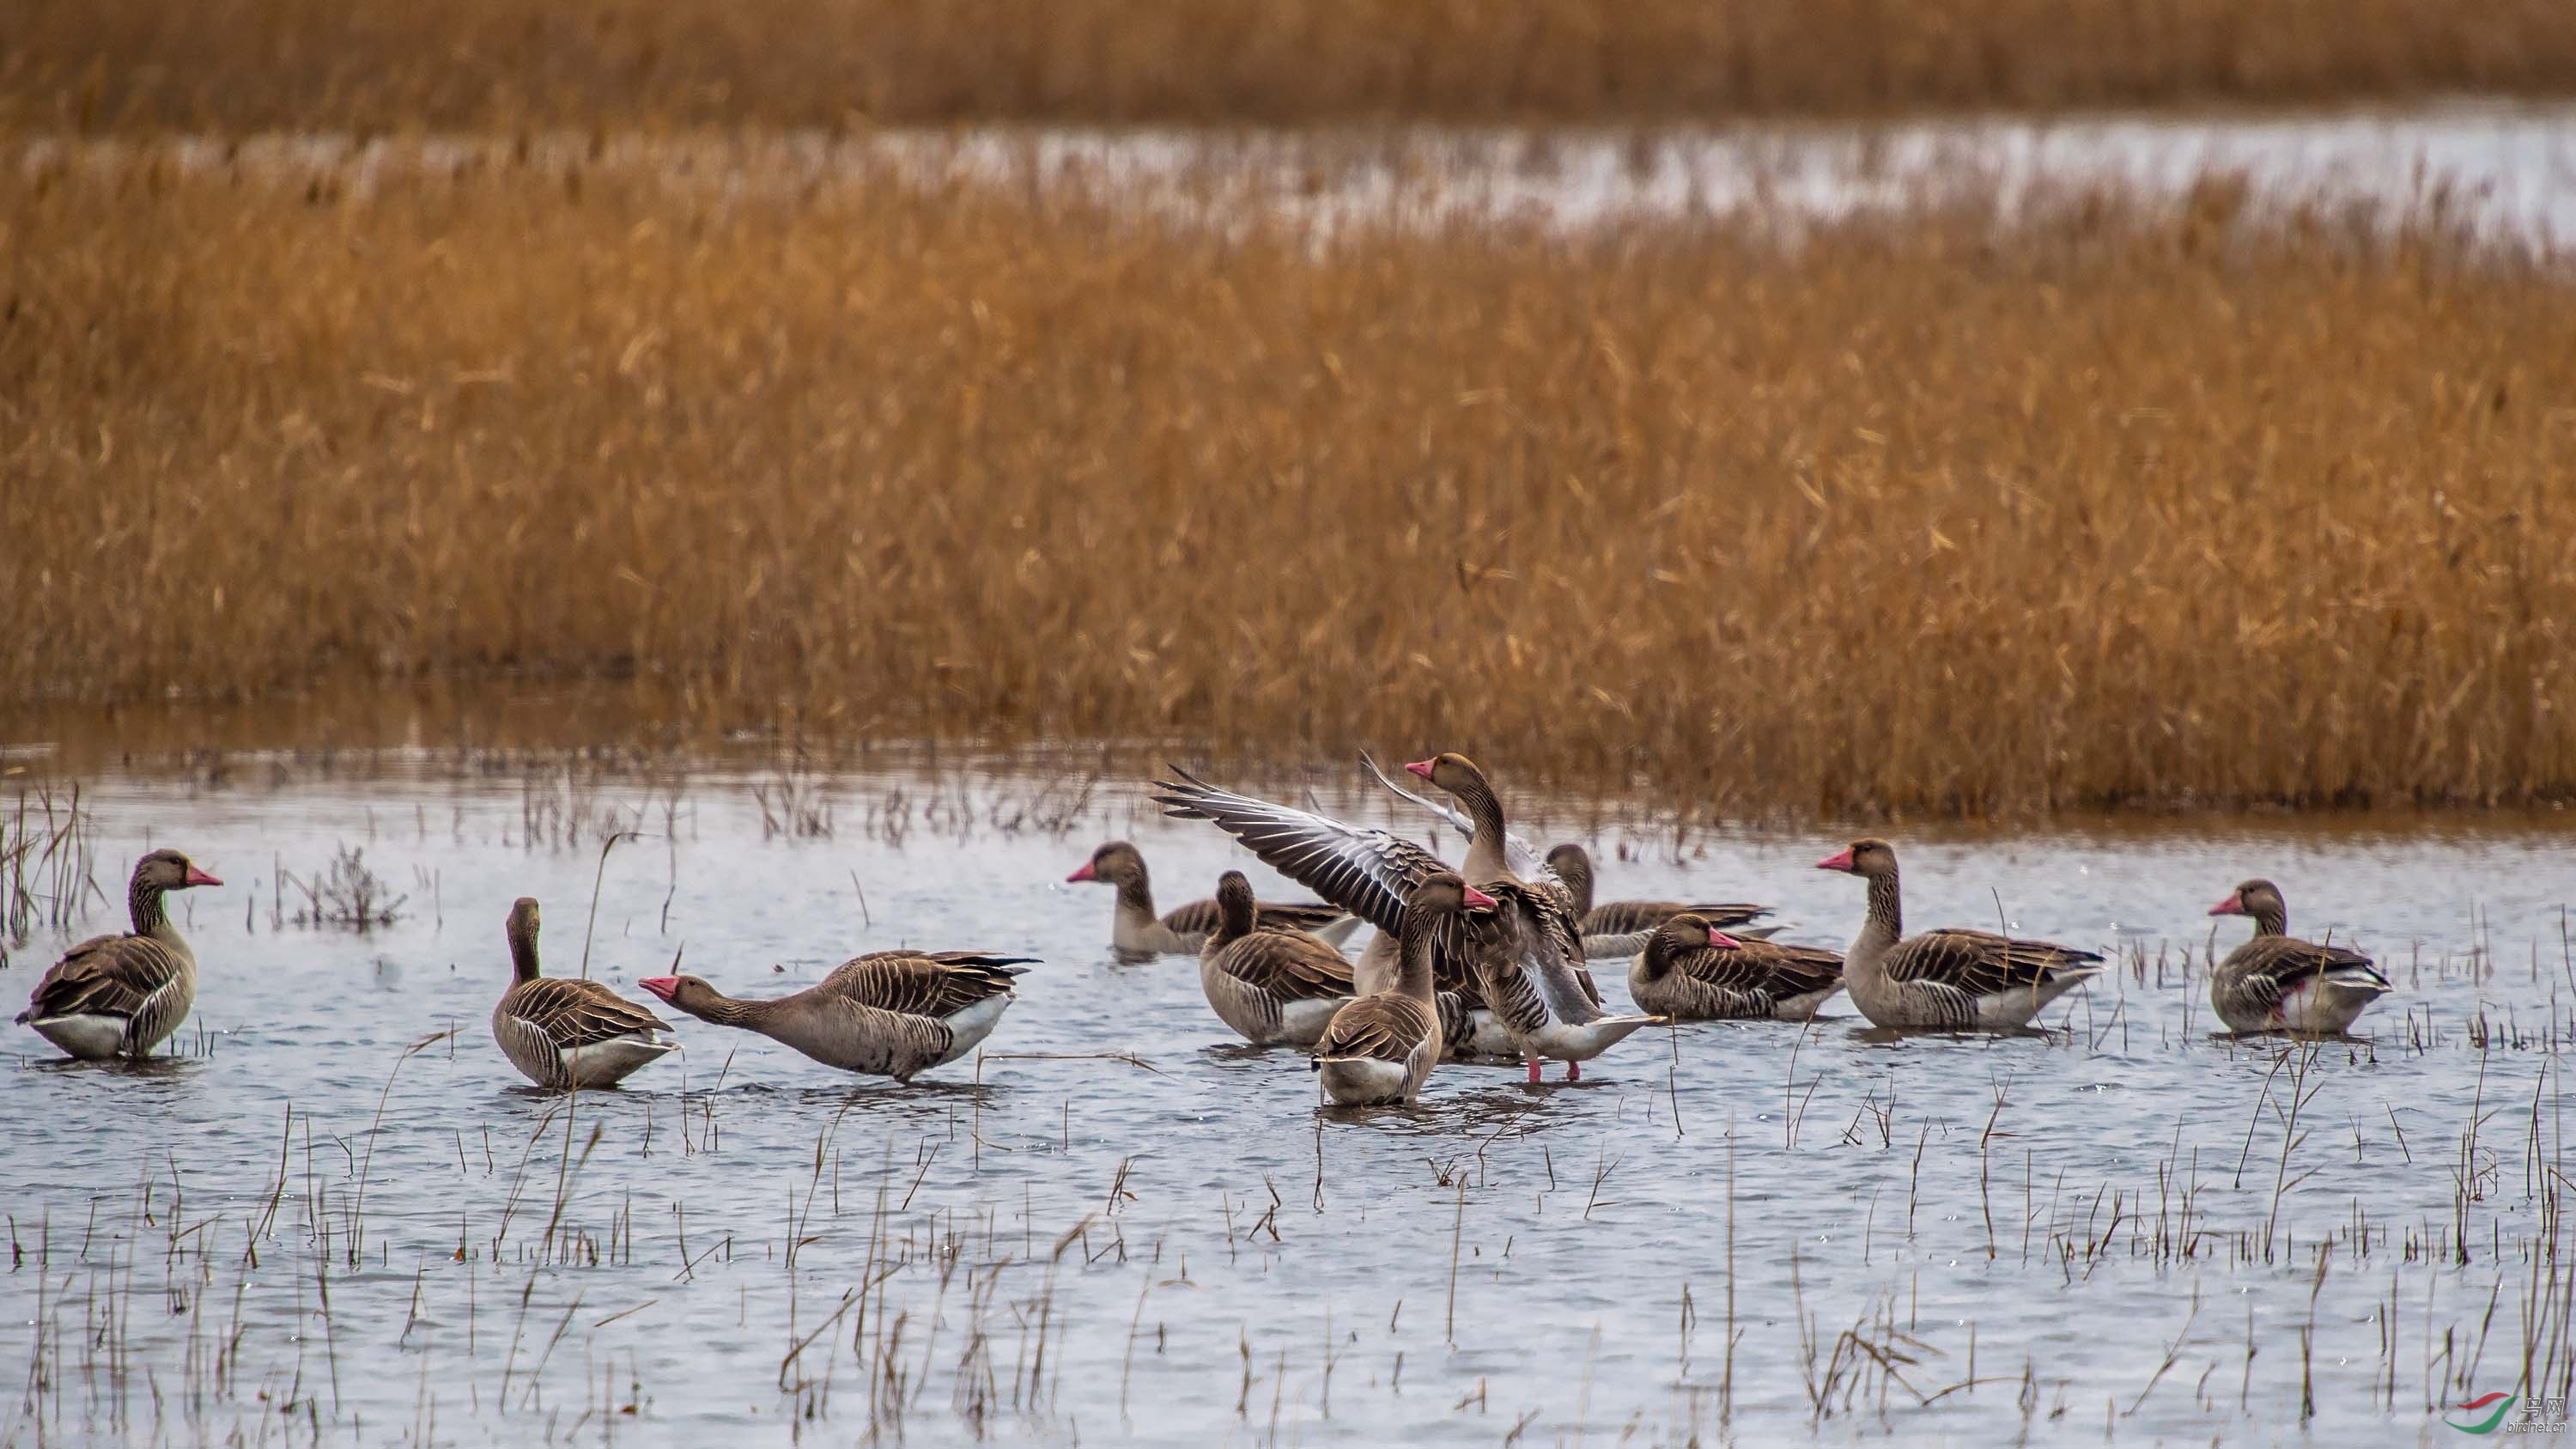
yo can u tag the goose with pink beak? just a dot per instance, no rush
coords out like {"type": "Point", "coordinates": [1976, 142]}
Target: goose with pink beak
{"type": "Point", "coordinates": [1952, 980]}
{"type": "Point", "coordinates": [2276, 982]}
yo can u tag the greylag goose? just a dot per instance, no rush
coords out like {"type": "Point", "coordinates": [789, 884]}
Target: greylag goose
{"type": "Point", "coordinates": [1275, 984]}
{"type": "Point", "coordinates": [1622, 928]}
{"type": "Point", "coordinates": [1541, 997]}
{"type": "Point", "coordinates": [2276, 982]}
{"type": "Point", "coordinates": [1136, 931]}
{"type": "Point", "coordinates": [888, 1013]}
{"type": "Point", "coordinates": [1692, 971]}
{"type": "Point", "coordinates": [1493, 851]}
{"type": "Point", "coordinates": [1380, 1048]}
{"type": "Point", "coordinates": [123, 995]}
{"type": "Point", "coordinates": [566, 1033]}
{"type": "Point", "coordinates": [1952, 979]}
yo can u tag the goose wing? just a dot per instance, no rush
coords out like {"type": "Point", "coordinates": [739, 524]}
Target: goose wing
{"type": "Point", "coordinates": [571, 1012]}
{"type": "Point", "coordinates": [1763, 966]}
{"type": "Point", "coordinates": [1290, 965]}
{"type": "Point", "coordinates": [1621, 918]}
{"type": "Point", "coordinates": [1532, 966]}
{"type": "Point", "coordinates": [1982, 963]}
{"type": "Point", "coordinates": [1202, 917]}
{"type": "Point", "coordinates": [923, 983]}
{"type": "Point", "coordinates": [2269, 968]}
{"type": "Point", "coordinates": [1386, 1027]}
{"type": "Point", "coordinates": [1366, 871]}
{"type": "Point", "coordinates": [104, 976]}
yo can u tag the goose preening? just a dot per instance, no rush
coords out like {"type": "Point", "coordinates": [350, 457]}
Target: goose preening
{"type": "Point", "coordinates": [1541, 998]}
{"type": "Point", "coordinates": [1622, 928]}
{"type": "Point", "coordinates": [1692, 971]}
{"type": "Point", "coordinates": [1137, 931]}
{"type": "Point", "coordinates": [2276, 982]}
{"type": "Point", "coordinates": [123, 995]}
{"type": "Point", "coordinates": [568, 1033]}
{"type": "Point", "coordinates": [1275, 984]}
{"type": "Point", "coordinates": [1954, 979]}
{"type": "Point", "coordinates": [1380, 1048]}
{"type": "Point", "coordinates": [888, 1013]}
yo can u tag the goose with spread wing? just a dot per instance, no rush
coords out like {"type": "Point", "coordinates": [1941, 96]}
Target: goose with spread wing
{"type": "Point", "coordinates": [1692, 971]}
{"type": "Point", "coordinates": [123, 995]}
{"type": "Point", "coordinates": [565, 1032]}
{"type": "Point", "coordinates": [2277, 982]}
{"type": "Point", "coordinates": [1540, 995]}
{"type": "Point", "coordinates": [1950, 979]}
{"type": "Point", "coordinates": [888, 1013]}
{"type": "Point", "coordinates": [1135, 930]}
{"type": "Point", "coordinates": [1275, 984]}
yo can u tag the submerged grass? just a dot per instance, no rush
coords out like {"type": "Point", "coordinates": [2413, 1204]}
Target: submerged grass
{"type": "Point", "coordinates": [248, 64]}
{"type": "Point", "coordinates": [2124, 505]}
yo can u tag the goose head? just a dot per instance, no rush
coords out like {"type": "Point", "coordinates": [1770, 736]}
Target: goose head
{"type": "Point", "coordinates": [1116, 863]}
{"type": "Point", "coordinates": [689, 993]}
{"type": "Point", "coordinates": [1689, 932]}
{"type": "Point", "coordinates": [1869, 858]}
{"type": "Point", "coordinates": [1451, 771]}
{"type": "Point", "coordinates": [1234, 901]}
{"type": "Point", "coordinates": [2252, 898]}
{"type": "Point", "coordinates": [170, 871]}
{"type": "Point", "coordinates": [1445, 893]}
{"type": "Point", "coordinates": [1571, 862]}
{"type": "Point", "coordinates": [521, 933]}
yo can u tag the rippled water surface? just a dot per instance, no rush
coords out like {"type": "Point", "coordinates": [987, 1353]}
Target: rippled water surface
{"type": "Point", "coordinates": [1117, 1226]}
{"type": "Point", "coordinates": [2504, 170]}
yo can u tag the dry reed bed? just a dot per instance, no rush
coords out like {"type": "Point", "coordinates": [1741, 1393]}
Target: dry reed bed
{"type": "Point", "coordinates": [296, 64]}
{"type": "Point", "coordinates": [2114, 508]}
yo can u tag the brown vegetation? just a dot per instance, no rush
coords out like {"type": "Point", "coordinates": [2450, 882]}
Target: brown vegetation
{"type": "Point", "coordinates": [296, 64]}
{"type": "Point", "coordinates": [2119, 508]}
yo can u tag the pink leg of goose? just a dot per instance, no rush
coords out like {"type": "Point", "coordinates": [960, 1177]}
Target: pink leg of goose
{"type": "Point", "coordinates": [1533, 1069]}
{"type": "Point", "coordinates": [1574, 1071]}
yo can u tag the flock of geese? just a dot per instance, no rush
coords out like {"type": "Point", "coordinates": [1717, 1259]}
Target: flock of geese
{"type": "Point", "coordinates": [1484, 961]}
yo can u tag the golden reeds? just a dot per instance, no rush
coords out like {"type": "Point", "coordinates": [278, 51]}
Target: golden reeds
{"type": "Point", "coordinates": [2123, 506]}
{"type": "Point", "coordinates": [293, 64]}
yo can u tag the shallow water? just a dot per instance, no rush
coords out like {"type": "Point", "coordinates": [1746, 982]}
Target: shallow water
{"type": "Point", "coordinates": [2506, 170]}
{"type": "Point", "coordinates": [1131, 1230]}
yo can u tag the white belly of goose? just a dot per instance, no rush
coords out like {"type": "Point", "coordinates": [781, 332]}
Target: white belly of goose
{"type": "Point", "coordinates": [1804, 1007]}
{"type": "Point", "coordinates": [2327, 1005]}
{"type": "Point", "coordinates": [1560, 1041]}
{"type": "Point", "coordinates": [90, 1038]}
{"type": "Point", "coordinates": [1364, 1081]}
{"type": "Point", "coordinates": [1302, 1023]}
{"type": "Point", "coordinates": [2015, 1008]}
{"type": "Point", "coordinates": [606, 1063]}
{"type": "Point", "coordinates": [970, 1026]}
{"type": "Point", "coordinates": [1486, 1036]}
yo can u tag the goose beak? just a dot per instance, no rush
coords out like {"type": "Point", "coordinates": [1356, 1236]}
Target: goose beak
{"type": "Point", "coordinates": [1419, 767]}
{"type": "Point", "coordinates": [664, 987]}
{"type": "Point", "coordinates": [1475, 898]}
{"type": "Point", "coordinates": [1840, 861]}
{"type": "Point", "coordinates": [198, 877]}
{"type": "Point", "coordinates": [2234, 905]}
{"type": "Point", "coordinates": [1083, 872]}
{"type": "Point", "coordinates": [1717, 937]}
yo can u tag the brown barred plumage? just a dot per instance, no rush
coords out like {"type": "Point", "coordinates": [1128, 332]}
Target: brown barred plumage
{"type": "Point", "coordinates": [887, 1013]}
{"type": "Point", "coordinates": [123, 995]}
